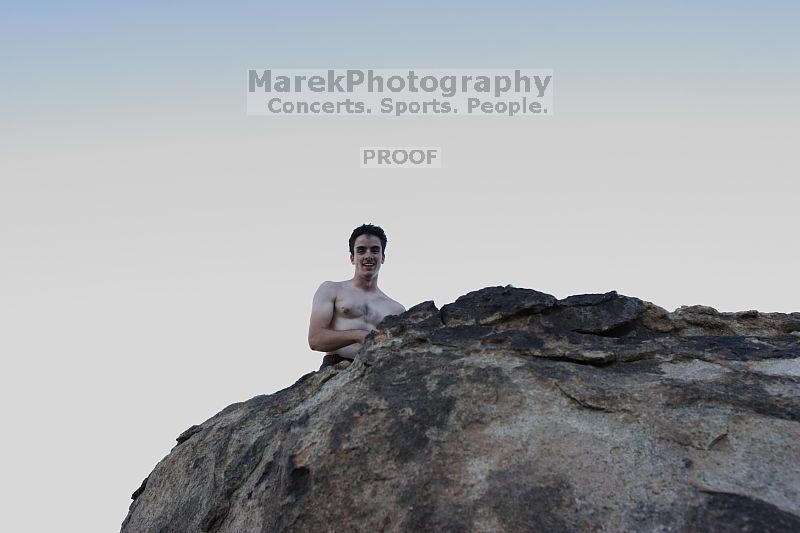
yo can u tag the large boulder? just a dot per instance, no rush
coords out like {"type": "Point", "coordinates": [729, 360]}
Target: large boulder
{"type": "Point", "coordinates": [510, 410]}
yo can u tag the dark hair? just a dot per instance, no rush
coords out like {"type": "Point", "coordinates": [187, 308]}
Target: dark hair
{"type": "Point", "coordinates": [368, 229]}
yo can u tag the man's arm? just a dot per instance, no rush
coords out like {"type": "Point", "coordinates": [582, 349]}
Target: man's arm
{"type": "Point", "coordinates": [320, 337]}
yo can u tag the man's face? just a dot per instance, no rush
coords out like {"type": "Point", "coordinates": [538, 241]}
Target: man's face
{"type": "Point", "coordinates": [367, 254]}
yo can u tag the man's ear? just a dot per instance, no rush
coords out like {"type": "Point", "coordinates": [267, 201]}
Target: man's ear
{"type": "Point", "coordinates": [352, 259]}
{"type": "Point", "coordinates": [383, 258]}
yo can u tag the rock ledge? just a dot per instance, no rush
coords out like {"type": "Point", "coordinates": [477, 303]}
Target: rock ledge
{"type": "Point", "coordinates": [510, 410]}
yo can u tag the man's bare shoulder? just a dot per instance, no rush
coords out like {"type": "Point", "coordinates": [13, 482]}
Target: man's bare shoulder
{"type": "Point", "coordinates": [331, 285]}
{"type": "Point", "coordinates": [327, 290]}
{"type": "Point", "coordinates": [396, 307]}
{"type": "Point", "coordinates": [332, 289]}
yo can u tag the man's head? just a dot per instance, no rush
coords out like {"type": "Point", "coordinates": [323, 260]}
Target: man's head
{"type": "Point", "coordinates": [368, 229]}
{"type": "Point", "coordinates": [367, 248]}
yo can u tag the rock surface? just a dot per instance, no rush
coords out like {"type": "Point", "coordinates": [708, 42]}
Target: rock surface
{"type": "Point", "coordinates": [509, 410]}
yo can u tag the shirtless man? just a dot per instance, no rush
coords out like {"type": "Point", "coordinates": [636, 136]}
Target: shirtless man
{"type": "Point", "coordinates": [344, 312]}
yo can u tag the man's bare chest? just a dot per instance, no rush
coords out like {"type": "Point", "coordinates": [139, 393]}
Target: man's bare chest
{"type": "Point", "coordinates": [371, 309]}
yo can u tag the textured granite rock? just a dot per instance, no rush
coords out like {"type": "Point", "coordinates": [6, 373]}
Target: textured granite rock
{"type": "Point", "coordinates": [509, 410]}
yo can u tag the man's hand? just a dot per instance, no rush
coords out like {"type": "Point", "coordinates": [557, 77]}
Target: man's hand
{"type": "Point", "coordinates": [329, 340]}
